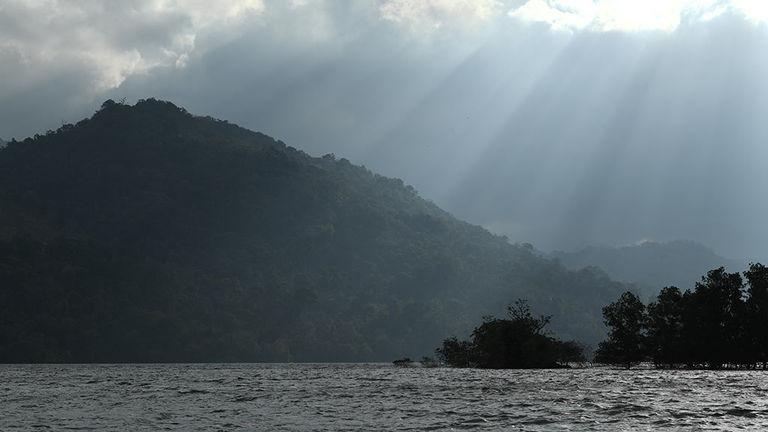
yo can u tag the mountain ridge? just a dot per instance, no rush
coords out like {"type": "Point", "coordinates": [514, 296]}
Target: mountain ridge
{"type": "Point", "coordinates": [651, 265]}
{"type": "Point", "coordinates": [145, 233]}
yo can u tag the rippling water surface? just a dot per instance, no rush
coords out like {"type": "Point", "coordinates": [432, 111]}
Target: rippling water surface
{"type": "Point", "coordinates": [375, 397]}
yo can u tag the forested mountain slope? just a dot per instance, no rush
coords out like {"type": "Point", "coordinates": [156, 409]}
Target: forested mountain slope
{"type": "Point", "coordinates": [147, 234]}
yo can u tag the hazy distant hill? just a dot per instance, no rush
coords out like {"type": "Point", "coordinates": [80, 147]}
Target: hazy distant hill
{"type": "Point", "coordinates": [147, 234]}
{"type": "Point", "coordinates": [652, 265]}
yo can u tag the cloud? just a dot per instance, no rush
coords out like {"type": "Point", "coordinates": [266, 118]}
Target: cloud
{"type": "Point", "coordinates": [559, 14]}
{"type": "Point", "coordinates": [633, 15]}
{"type": "Point", "coordinates": [436, 14]}
{"type": "Point", "coordinates": [106, 42]}
{"type": "Point", "coordinates": [103, 41]}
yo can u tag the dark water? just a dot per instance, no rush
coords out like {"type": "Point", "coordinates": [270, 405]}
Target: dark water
{"type": "Point", "coordinates": [374, 397]}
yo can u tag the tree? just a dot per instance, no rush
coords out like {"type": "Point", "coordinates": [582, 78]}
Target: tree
{"type": "Point", "coordinates": [715, 319]}
{"type": "Point", "coordinates": [665, 328]}
{"type": "Point", "coordinates": [517, 342]}
{"type": "Point", "coordinates": [757, 314]}
{"type": "Point", "coordinates": [625, 344]}
{"type": "Point", "coordinates": [456, 353]}
{"type": "Point", "coordinates": [520, 313]}
{"type": "Point", "coordinates": [570, 352]}
{"type": "Point", "coordinates": [713, 326]}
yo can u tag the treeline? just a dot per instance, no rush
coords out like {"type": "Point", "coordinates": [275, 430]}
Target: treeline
{"type": "Point", "coordinates": [517, 342]}
{"type": "Point", "coordinates": [722, 323]}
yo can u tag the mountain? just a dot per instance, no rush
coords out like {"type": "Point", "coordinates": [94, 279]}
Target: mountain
{"type": "Point", "coordinates": [651, 265]}
{"type": "Point", "coordinates": [145, 233]}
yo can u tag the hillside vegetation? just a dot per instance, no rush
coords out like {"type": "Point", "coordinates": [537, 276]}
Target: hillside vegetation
{"type": "Point", "coordinates": [148, 234]}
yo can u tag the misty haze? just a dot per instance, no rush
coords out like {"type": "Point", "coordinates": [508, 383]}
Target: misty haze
{"type": "Point", "coordinates": [383, 215]}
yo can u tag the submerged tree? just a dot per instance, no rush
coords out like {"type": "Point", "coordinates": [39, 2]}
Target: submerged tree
{"type": "Point", "coordinates": [456, 353]}
{"type": "Point", "coordinates": [517, 341]}
{"type": "Point", "coordinates": [756, 309]}
{"type": "Point", "coordinates": [717, 325]}
{"type": "Point", "coordinates": [626, 320]}
{"type": "Point", "coordinates": [665, 328]}
{"type": "Point", "coordinates": [715, 317]}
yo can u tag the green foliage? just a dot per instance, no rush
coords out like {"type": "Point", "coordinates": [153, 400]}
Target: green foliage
{"type": "Point", "coordinates": [513, 343]}
{"type": "Point", "coordinates": [147, 234]}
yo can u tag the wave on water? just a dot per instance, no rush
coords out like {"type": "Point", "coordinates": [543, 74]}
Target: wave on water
{"type": "Point", "coordinates": [376, 397]}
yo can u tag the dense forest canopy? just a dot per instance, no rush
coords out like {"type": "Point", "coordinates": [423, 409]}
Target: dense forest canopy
{"type": "Point", "coordinates": [145, 233]}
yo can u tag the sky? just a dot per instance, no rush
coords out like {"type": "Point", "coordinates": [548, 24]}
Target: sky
{"type": "Point", "coordinates": [563, 123]}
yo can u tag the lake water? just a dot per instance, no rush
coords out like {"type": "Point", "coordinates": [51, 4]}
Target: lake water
{"type": "Point", "coordinates": [356, 397]}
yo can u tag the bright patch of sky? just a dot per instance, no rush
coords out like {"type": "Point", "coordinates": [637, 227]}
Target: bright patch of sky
{"type": "Point", "coordinates": [633, 15]}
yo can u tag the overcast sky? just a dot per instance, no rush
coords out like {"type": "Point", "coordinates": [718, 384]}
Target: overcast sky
{"type": "Point", "coordinates": [557, 122]}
